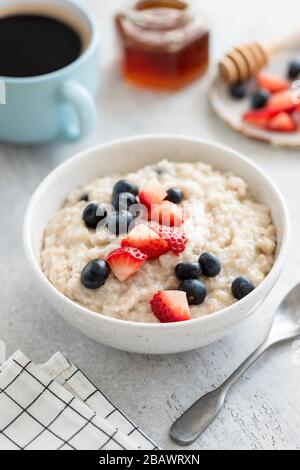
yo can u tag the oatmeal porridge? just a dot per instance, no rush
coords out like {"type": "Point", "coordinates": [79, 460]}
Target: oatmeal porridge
{"type": "Point", "coordinates": [220, 243]}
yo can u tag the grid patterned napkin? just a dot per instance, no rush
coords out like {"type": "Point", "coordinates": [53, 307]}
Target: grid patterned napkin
{"type": "Point", "coordinates": [55, 407]}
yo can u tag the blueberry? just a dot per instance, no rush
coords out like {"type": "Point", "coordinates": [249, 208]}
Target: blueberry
{"type": "Point", "coordinates": [210, 264]}
{"type": "Point", "coordinates": [119, 222]}
{"type": "Point", "coordinates": [93, 214]}
{"type": "Point", "coordinates": [238, 90]}
{"type": "Point", "coordinates": [125, 186]}
{"type": "Point", "coordinates": [175, 195]}
{"type": "Point", "coordinates": [123, 201]}
{"type": "Point", "coordinates": [195, 290]}
{"type": "Point", "coordinates": [294, 70]}
{"type": "Point", "coordinates": [188, 271]}
{"type": "Point", "coordinates": [260, 99]}
{"type": "Point", "coordinates": [85, 197]}
{"type": "Point", "coordinates": [241, 287]}
{"type": "Point", "coordinates": [95, 274]}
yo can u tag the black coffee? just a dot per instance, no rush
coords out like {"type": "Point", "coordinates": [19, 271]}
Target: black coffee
{"type": "Point", "coordinates": [32, 45]}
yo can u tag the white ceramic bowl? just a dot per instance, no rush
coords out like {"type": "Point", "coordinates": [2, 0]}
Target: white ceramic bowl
{"type": "Point", "coordinates": [124, 156]}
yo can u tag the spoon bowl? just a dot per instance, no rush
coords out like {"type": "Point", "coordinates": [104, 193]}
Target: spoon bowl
{"type": "Point", "coordinates": [286, 324]}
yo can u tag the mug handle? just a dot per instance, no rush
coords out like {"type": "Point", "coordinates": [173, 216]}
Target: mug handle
{"type": "Point", "coordinates": [84, 104]}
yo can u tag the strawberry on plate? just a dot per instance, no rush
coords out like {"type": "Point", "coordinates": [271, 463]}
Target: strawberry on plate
{"type": "Point", "coordinates": [271, 83]}
{"type": "Point", "coordinates": [153, 193]}
{"type": "Point", "coordinates": [170, 306]}
{"type": "Point", "coordinates": [259, 118]}
{"type": "Point", "coordinates": [126, 262]}
{"type": "Point", "coordinates": [147, 241]}
{"type": "Point", "coordinates": [167, 213]}
{"type": "Point", "coordinates": [282, 122]}
{"type": "Point", "coordinates": [282, 101]}
{"type": "Point", "coordinates": [176, 238]}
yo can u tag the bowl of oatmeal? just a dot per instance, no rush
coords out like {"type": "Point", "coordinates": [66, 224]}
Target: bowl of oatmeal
{"type": "Point", "coordinates": [156, 244]}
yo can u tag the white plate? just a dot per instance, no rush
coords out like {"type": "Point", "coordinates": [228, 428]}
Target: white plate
{"type": "Point", "coordinates": [231, 111]}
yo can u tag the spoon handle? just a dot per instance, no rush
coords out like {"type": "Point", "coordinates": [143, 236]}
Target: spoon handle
{"type": "Point", "coordinates": [200, 415]}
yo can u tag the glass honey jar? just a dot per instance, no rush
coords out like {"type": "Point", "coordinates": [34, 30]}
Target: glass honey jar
{"type": "Point", "coordinates": [165, 42]}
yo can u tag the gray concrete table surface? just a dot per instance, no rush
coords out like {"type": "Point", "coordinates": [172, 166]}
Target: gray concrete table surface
{"type": "Point", "coordinates": [263, 411]}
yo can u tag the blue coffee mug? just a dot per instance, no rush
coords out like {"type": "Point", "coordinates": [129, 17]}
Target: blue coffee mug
{"type": "Point", "coordinates": [59, 105]}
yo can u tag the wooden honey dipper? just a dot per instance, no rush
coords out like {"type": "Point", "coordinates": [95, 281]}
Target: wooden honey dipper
{"type": "Point", "coordinates": [245, 61]}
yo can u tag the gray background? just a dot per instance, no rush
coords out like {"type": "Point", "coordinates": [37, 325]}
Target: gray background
{"type": "Point", "coordinates": [263, 411]}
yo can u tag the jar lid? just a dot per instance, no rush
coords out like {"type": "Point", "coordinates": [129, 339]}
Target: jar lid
{"type": "Point", "coordinates": [161, 14]}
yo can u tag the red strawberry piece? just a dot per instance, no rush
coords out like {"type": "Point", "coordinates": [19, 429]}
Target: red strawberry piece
{"type": "Point", "coordinates": [283, 101]}
{"type": "Point", "coordinates": [167, 213]}
{"type": "Point", "coordinates": [282, 122]}
{"type": "Point", "coordinates": [259, 118]}
{"type": "Point", "coordinates": [126, 262]}
{"type": "Point", "coordinates": [270, 82]}
{"type": "Point", "coordinates": [147, 241]}
{"type": "Point", "coordinates": [170, 306]}
{"type": "Point", "coordinates": [175, 237]}
{"type": "Point", "coordinates": [153, 193]}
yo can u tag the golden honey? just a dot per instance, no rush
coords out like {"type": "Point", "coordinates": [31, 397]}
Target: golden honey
{"type": "Point", "coordinates": [165, 43]}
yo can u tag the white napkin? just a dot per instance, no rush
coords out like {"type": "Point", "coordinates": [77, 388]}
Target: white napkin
{"type": "Point", "coordinates": [55, 407]}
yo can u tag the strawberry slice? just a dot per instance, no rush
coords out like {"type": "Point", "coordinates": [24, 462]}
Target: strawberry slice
{"type": "Point", "coordinates": [170, 306]}
{"type": "Point", "coordinates": [168, 214]}
{"type": "Point", "coordinates": [271, 83]}
{"type": "Point", "coordinates": [259, 118]}
{"type": "Point", "coordinates": [126, 262]}
{"type": "Point", "coordinates": [175, 237]}
{"type": "Point", "coordinates": [282, 122]}
{"type": "Point", "coordinates": [147, 241]}
{"type": "Point", "coordinates": [153, 193]}
{"type": "Point", "coordinates": [282, 101]}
